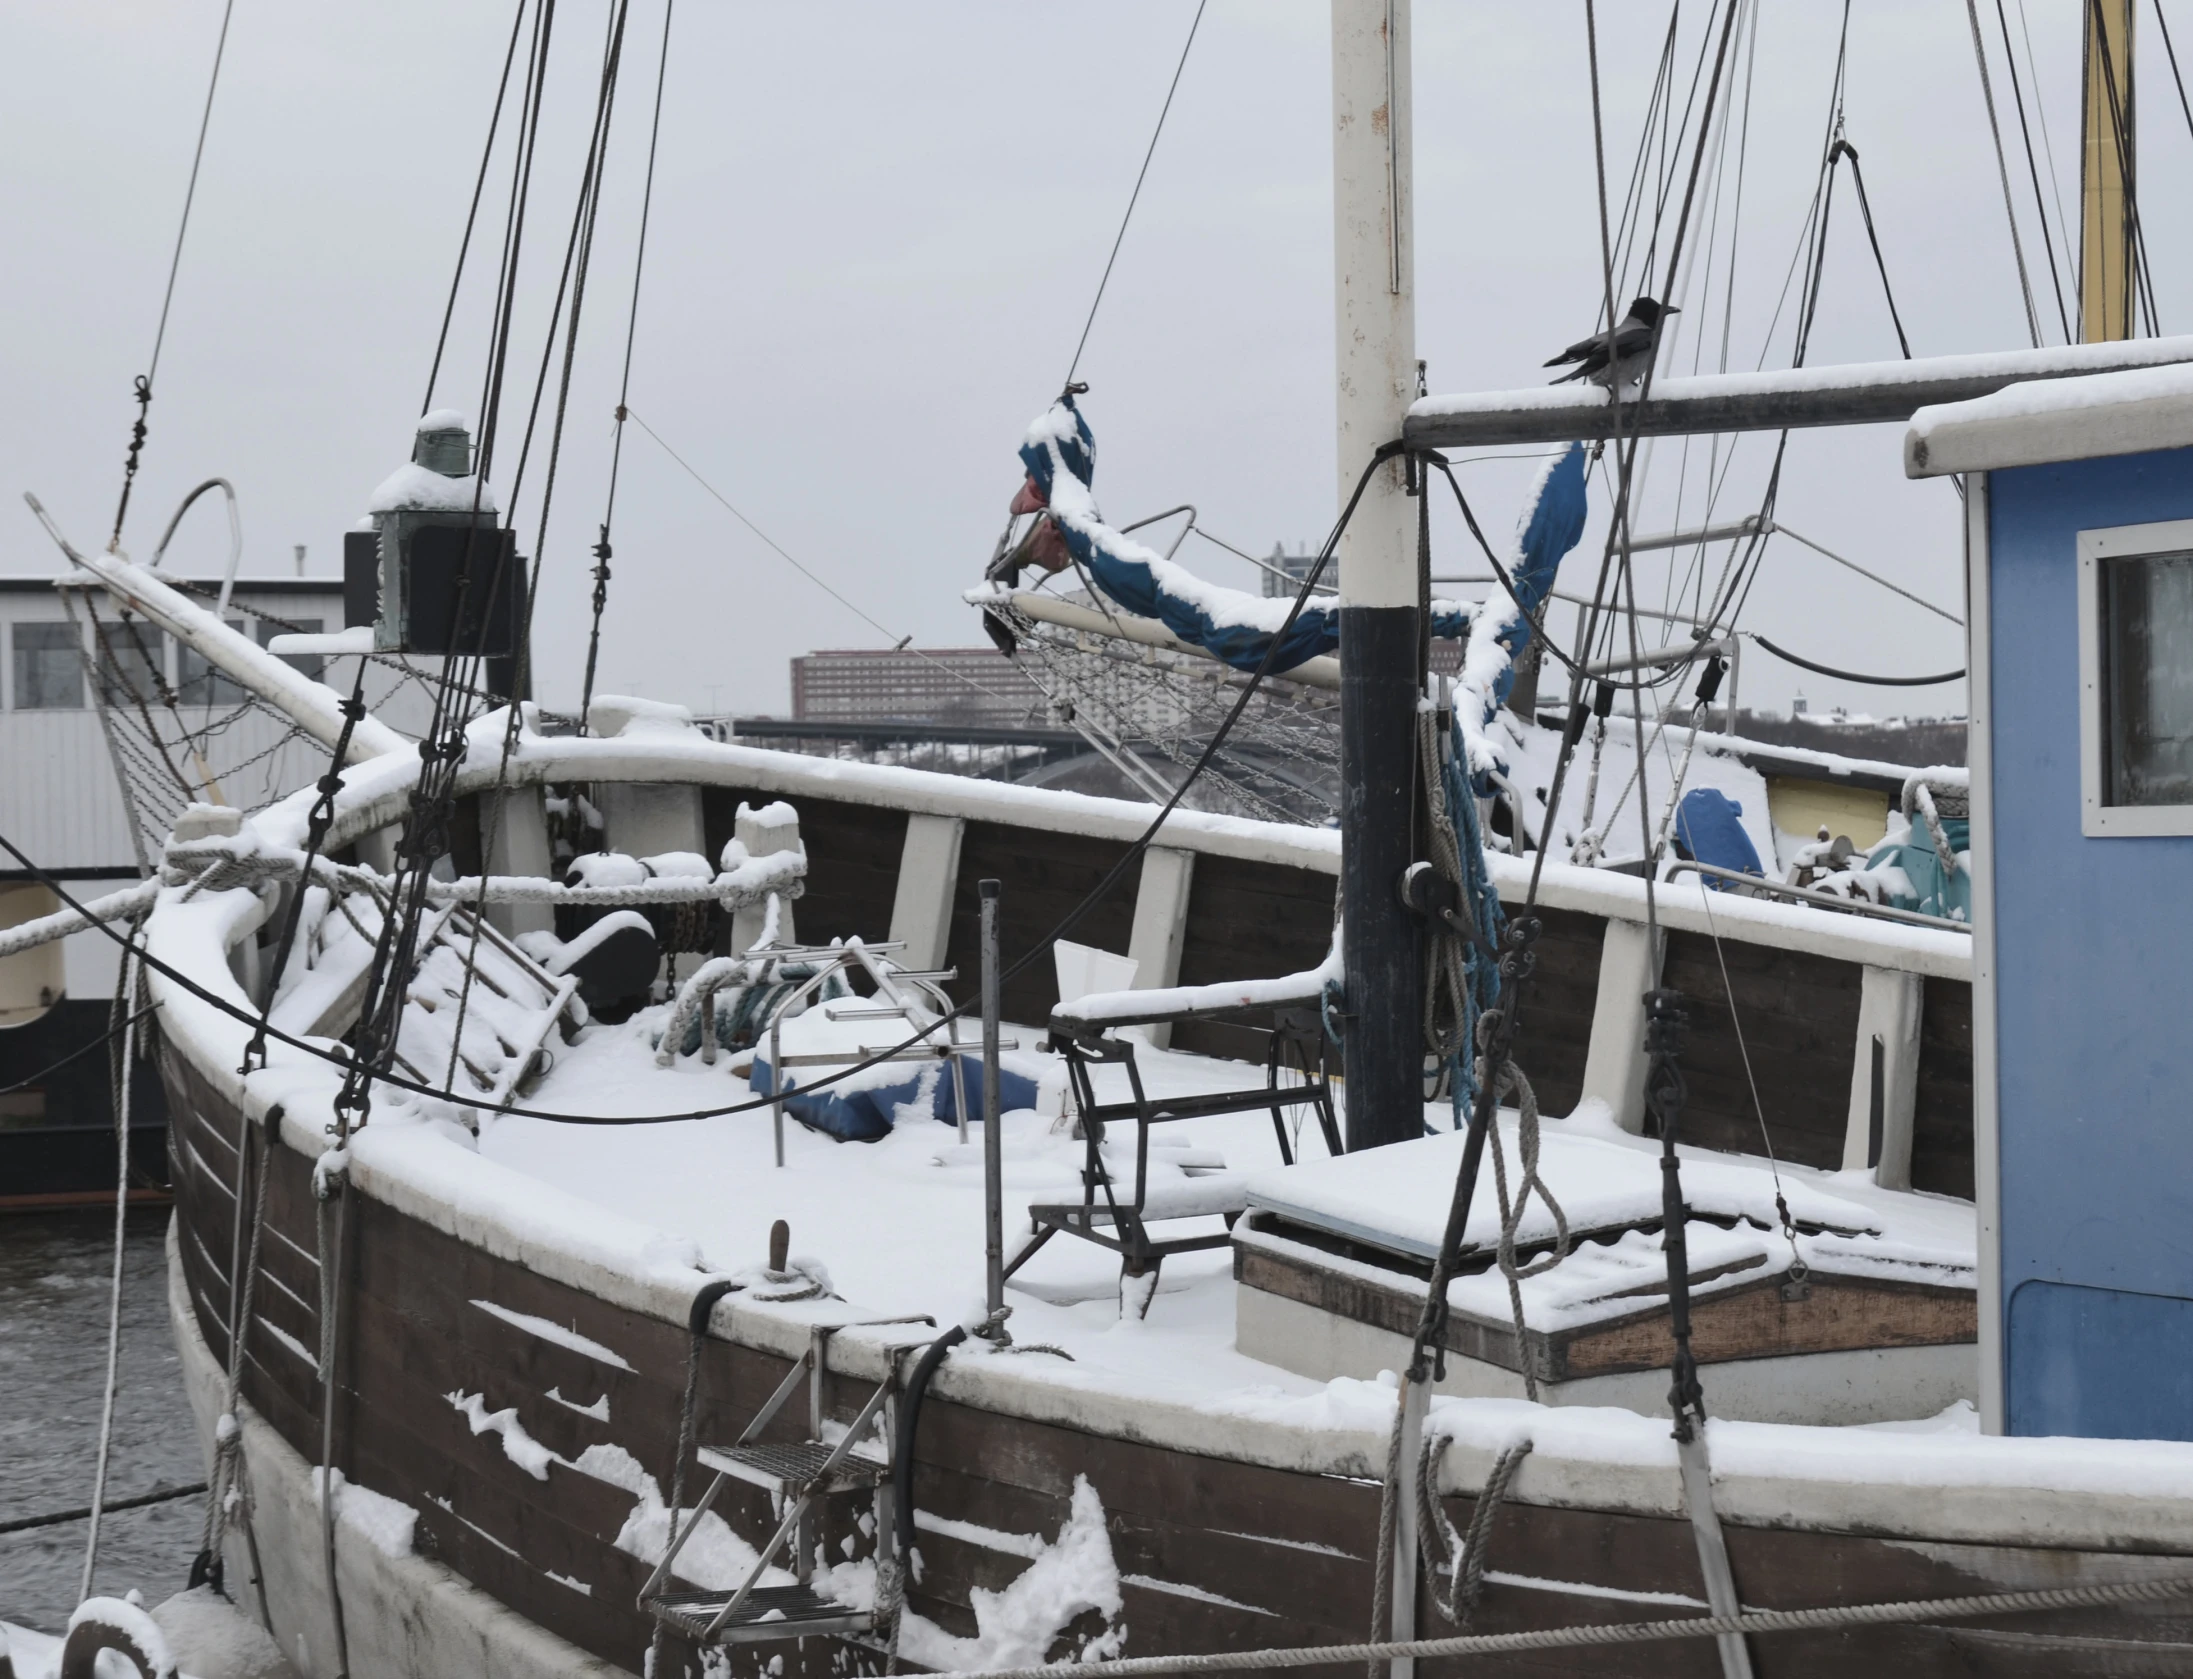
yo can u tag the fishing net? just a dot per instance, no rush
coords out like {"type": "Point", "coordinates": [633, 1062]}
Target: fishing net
{"type": "Point", "coordinates": [181, 730]}
{"type": "Point", "coordinates": [1151, 712]}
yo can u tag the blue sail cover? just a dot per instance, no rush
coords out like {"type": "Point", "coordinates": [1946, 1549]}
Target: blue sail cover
{"type": "Point", "coordinates": [1552, 523]}
{"type": "Point", "coordinates": [1229, 624]}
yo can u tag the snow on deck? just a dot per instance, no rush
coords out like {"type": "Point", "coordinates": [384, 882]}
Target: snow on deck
{"type": "Point", "coordinates": [897, 1224]}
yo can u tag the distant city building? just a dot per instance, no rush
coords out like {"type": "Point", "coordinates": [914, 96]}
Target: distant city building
{"type": "Point", "coordinates": [1295, 567]}
{"type": "Point", "coordinates": [940, 684]}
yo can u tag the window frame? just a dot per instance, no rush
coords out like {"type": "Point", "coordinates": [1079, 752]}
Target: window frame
{"type": "Point", "coordinates": [2098, 820]}
{"type": "Point", "coordinates": [16, 651]}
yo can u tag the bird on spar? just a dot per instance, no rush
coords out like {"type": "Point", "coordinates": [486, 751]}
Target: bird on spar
{"type": "Point", "coordinates": [1635, 341]}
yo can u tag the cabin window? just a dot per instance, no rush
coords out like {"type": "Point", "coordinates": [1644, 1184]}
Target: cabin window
{"type": "Point", "coordinates": [2136, 679]}
{"type": "Point", "coordinates": [2147, 679]}
{"type": "Point", "coordinates": [49, 667]}
{"type": "Point", "coordinates": [197, 682]}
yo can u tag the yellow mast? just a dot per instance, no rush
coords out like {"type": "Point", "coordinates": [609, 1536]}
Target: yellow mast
{"type": "Point", "coordinates": [2106, 179]}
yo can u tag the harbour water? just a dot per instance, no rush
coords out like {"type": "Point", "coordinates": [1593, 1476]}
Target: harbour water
{"type": "Point", "coordinates": [55, 1274]}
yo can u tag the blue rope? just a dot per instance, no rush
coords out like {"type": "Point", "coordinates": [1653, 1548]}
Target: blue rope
{"type": "Point", "coordinates": [1483, 990]}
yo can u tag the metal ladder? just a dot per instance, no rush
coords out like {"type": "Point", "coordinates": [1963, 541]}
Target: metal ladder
{"type": "Point", "coordinates": [796, 1475]}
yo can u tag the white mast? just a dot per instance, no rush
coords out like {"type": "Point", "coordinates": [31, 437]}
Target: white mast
{"type": "Point", "coordinates": [1374, 289]}
{"type": "Point", "coordinates": [1380, 620]}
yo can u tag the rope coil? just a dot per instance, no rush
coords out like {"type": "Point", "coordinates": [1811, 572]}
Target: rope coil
{"type": "Point", "coordinates": [1449, 1552]}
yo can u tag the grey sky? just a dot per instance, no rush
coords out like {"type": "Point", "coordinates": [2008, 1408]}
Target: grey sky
{"type": "Point", "coordinates": [877, 231]}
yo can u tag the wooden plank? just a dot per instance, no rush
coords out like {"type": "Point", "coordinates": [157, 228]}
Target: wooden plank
{"type": "Point", "coordinates": [1750, 1321]}
{"type": "Point", "coordinates": [1555, 1033]}
{"type": "Point", "coordinates": [1941, 1126]}
{"type": "Point", "coordinates": [1799, 1019]}
{"type": "Point", "coordinates": [1042, 883]}
{"type": "Point", "coordinates": [1754, 1321]}
{"type": "Point", "coordinates": [1248, 921]}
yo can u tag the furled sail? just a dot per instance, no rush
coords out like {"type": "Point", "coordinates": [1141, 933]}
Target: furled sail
{"type": "Point", "coordinates": [1229, 624]}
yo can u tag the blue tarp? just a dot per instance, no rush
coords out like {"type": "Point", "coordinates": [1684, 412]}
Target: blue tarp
{"type": "Point", "coordinates": [1707, 828]}
{"type": "Point", "coordinates": [1551, 528]}
{"type": "Point", "coordinates": [863, 1115]}
{"type": "Point", "coordinates": [1223, 622]}
{"type": "Point", "coordinates": [1933, 890]}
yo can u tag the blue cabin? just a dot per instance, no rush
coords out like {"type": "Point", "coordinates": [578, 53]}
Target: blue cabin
{"type": "Point", "coordinates": [2079, 569]}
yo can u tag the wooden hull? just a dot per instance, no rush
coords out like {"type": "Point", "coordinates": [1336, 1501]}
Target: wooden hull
{"type": "Point", "coordinates": [1217, 1551]}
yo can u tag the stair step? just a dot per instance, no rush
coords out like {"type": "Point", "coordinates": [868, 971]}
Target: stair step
{"type": "Point", "coordinates": [769, 1612]}
{"type": "Point", "coordinates": [793, 1464]}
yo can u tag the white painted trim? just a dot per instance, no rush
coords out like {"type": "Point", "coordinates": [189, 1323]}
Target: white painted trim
{"type": "Point", "coordinates": [1889, 1007]}
{"type": "Point", "coordinates": [2041, 420]}
{"type": "Point", "coordinates": [1986, 1178]}
{"type": "Point", "coordinates": [1614, 1060]}
{"type": "Point", "coordinates": [2096, 819]}
{"type": "Point", "coordinates": [921, 908]}
{"type": "Point", "coordinates": [517, 844]}
{"type": "Point", "coordinates": [1160, 926]}
{"type": "Point", "coordinates": [380, 800]}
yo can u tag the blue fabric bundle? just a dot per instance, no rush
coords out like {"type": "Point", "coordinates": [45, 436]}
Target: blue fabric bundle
{"type": "Point", "coordinates": [1707, 830]}
{"type": "Point", "coordinates": [1140, 582]}
{"type": "Point", "coordinates": [863, 1115]}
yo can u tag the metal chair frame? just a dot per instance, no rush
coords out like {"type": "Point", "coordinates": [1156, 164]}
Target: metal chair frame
{"type": "Point", "coordinates": [1082, 1044]}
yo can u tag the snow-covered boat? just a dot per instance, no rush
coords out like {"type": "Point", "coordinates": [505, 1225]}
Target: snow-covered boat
{"type": "Point", "coordinates": [602, 1245]}
{"type": "Point", "coordinates": [510, 1309]}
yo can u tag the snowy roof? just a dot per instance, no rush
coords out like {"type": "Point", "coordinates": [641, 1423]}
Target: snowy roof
{"type": "Point", "coordinates": [2080, 419]}
{"type": "Point", "coordinates": [1856, 393]}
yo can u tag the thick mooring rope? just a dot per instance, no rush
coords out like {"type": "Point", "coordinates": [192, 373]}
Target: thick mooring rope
{"type": "Point", "coordinates": [1633, 1632]}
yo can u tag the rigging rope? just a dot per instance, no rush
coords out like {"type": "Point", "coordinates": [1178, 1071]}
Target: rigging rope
{"type": "Point", "coordinates": [479, 184]}
{"type": "Point", "coordinates": [2033, 168]}
{"type": "Point", "coordinates": [167, 297]}
{"type": "Point", "coordinates": [355, 1065]}
{"type": "Point", "coordinates": [2002, 169]}
{"type": "Point", "coordinates": [900, 642]}
{"type": "Point", "coordinates": [1843, 148]}
{"type": "Point", "coordinates": [624, 385]}
{"type": "Point", "coordinates": [1913, 1612]}
{"type": "Point", "coordinates": [1444, 1550]}
{"type": "Point", "coordinates": [124, 998]}
{"type": "Point", "coordinates": [1134, 197]}
{"type": "Point", "coordinates": [581, 252]}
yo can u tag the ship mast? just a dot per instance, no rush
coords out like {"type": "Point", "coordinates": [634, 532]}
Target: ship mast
{"type": "Point", "coordinates": [1375, 298]}
{"type": "Point", "coordinates": [2107, 184]}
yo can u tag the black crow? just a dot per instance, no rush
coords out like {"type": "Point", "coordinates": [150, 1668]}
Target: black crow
{"type": "Point", "coordinates": [1635, 340]}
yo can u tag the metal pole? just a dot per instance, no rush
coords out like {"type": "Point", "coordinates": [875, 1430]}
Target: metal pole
{"type": "Point", "coordinates": [1374, 288]}
{"type": "Point", "coordinates": [993, 1154]}
{"type": "Point", "coordinates": [776, 1086]}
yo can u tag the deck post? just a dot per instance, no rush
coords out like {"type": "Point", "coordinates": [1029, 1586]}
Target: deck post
{"type": "Point", "coordinates": [921, 908]}
{"type": "Point", "coordinates": [1379, 609]}
{"type": "Point", "coordinates": [1890, 1004]}
{"type": "Point", "coordinates": [1416, 1398]}
{"type": "Point", "coordinates": [1160, 926]}
{"type": "Point", "coordinates": [993, 1154]}
{"type": "Point", "coordinates": [1614, 1064]}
